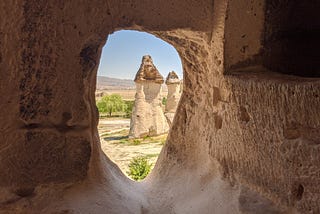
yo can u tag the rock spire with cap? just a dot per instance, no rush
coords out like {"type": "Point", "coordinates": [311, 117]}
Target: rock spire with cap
{"type": "Point", "coordinates": [172, 78]}
{"type": "Point", "coordinates": [174, 93]}
{"type": "Point", "coordinates": [148, 72]}
{"type": "Point", "coordinates": [147, 116]}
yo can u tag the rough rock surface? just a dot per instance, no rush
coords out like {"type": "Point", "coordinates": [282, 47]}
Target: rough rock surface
{"type": "Point", "coordinates": [147, 115]}
{"type": "Point", "coordinates": [148, 72]}
{"type": "Point", "coordinates": [245, 138]}
{"type": "Point", "coordinates": [174, 93]}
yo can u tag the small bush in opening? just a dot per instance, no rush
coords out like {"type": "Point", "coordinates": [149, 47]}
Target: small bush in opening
{"type": "Point", "coordinates": [139, 168]}
{"type": "Point", "coordinates": [164, 101]}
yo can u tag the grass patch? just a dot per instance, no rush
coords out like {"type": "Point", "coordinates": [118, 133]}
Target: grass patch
{"type": "Point", "coordinates": [151, 156]}
{"type": "Point", "coordinates": [125, 141]}
{"type": "Point", "coordinates": [147, 138]}
{"type": "Point", "coordinates": [136, 142]}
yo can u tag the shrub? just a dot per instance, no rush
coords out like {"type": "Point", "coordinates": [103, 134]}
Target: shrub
{"type": "Point", "coordinates": [164, 101]}
{"type": "Point", "coordinates": [139, 168]}
{"type": "Point", "coordinates": [147, 137]}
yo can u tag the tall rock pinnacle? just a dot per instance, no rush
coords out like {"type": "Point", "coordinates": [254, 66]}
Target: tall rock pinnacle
{"type": "Point", "coordinates": [147, 117]}
{"type": "Point", "coordinates": [174, 93]}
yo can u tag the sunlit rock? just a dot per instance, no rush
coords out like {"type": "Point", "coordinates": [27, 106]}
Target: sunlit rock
{"type": "Point", "coordinates": [174, 93]}
{"type": "Point", "coordinates": [147, 117]}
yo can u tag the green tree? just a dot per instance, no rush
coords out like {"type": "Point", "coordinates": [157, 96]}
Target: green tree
{"type": "Point", "coordinates": [110, 104]}
{"type": "Point", "coordinates": [129, 107]}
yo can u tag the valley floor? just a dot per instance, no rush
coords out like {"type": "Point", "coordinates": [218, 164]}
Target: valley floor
{"type": "Point", "coordinates": [120, 149]}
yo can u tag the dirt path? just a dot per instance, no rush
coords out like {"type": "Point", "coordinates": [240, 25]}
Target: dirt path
{"type": "Point", "coordinates": [120, 149]}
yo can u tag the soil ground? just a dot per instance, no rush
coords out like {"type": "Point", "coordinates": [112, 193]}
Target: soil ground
{"type": "Point", "coordinates": [120, 149]}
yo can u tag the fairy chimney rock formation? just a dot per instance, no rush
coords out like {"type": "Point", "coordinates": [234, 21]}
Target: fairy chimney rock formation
{"type": "Point", "coordinates": [174, 93]}
{"type": "Point", "coordinates": [147, 116]}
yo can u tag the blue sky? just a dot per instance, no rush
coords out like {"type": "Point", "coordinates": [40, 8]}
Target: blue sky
{"type": "Point", "coordinates": [122, 54]}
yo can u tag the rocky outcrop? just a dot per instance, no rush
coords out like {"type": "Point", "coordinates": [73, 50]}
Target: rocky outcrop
{"type": "Point", "coordinates": [174, 93]}
{"type": "Point", "coordinates": [147, 117]}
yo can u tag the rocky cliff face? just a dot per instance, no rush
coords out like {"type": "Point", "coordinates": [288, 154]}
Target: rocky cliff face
{"type": "Point", "coordinates": [147, 117]}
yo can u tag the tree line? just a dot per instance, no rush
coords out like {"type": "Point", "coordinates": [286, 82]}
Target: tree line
{"type": "Point", "coordinates": [113, 103]}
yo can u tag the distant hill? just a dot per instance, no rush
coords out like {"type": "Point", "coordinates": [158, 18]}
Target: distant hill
{"type": "Point", "coordinates": [114, 83]}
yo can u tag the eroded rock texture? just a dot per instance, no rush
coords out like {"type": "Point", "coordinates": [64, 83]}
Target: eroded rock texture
{"type": "Point", "coordinates": [147, 115]}
{"type": "Point", "coordinates": [245, 138]}
{"type": "Point", "coordinates": [174, 93]}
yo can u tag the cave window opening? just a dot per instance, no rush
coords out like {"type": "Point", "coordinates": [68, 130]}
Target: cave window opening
{"type": "Point", "coordinates": [139, 84]}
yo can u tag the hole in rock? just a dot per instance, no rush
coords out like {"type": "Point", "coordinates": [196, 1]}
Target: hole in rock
{"type": "Point", "coordinates": [139, 85]}
{"type": "Point", "coordinates": [298, 191]}
{"type": "Point", "coordinates": [25, 192]}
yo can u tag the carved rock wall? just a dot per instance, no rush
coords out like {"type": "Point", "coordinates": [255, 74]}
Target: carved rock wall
{"type": "Point", "coordinates": [245, 137]}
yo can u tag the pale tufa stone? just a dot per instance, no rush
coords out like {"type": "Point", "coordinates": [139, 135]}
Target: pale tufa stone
{"type": "Point", "coordinates": [174, 93]}
{"type": "Point", "coordinates": [147, 117]}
